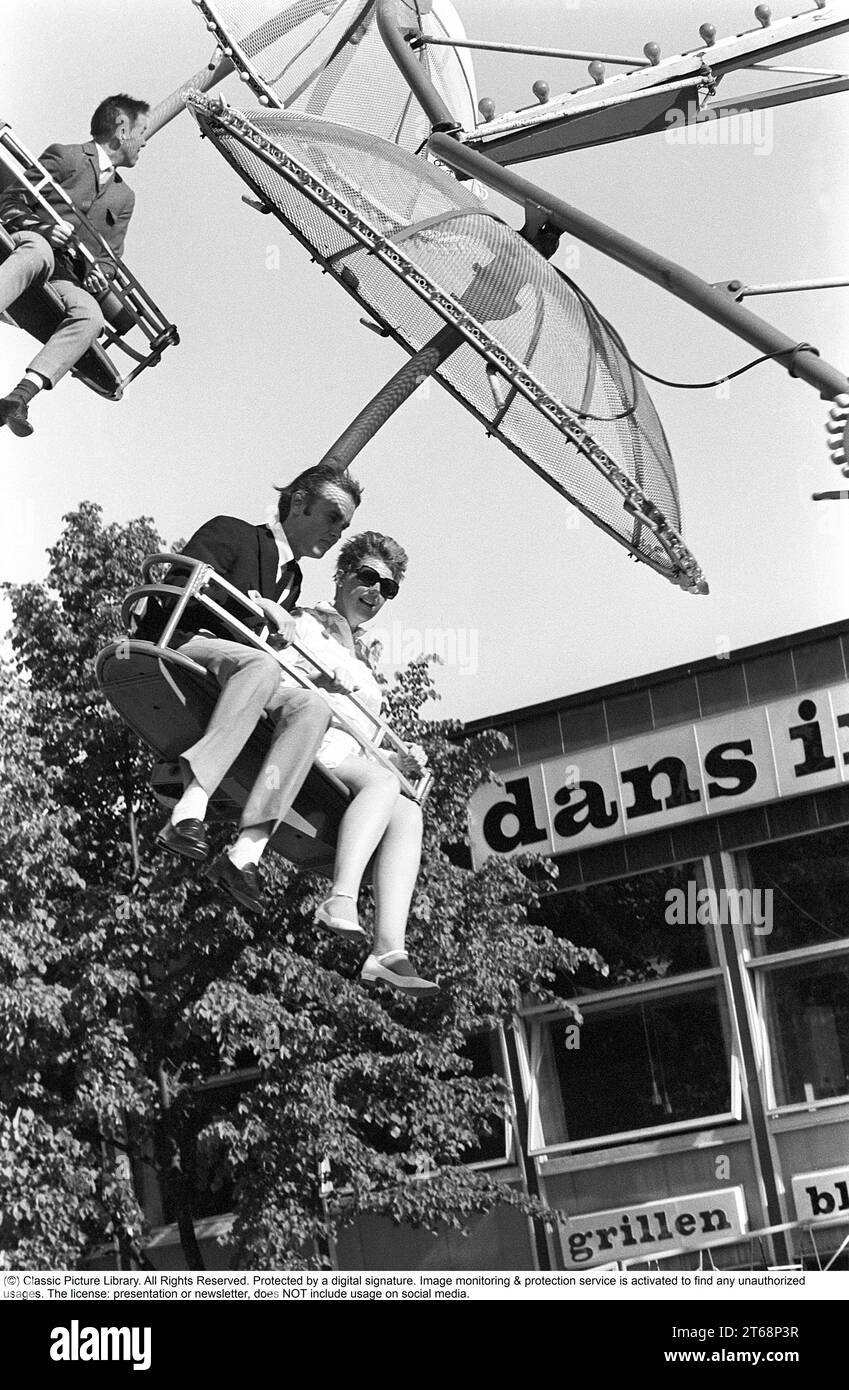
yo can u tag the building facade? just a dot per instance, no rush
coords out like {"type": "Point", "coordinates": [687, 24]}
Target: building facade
{"type": "Point", "coordinates": [691, 1106]}
{"type": "Point", "coordinates": [699, 820]}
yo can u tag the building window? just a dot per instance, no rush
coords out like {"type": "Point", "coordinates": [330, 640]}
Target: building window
{"type": "Point", "coordinates": [487, 1055]}
{"type": "Point", "coordinates": [806, 1010]}
{"type": "Point", "coordinates": [643, 1063]}
{"type": "Point", "coordinates": [798, 959]}
{"type": "Point", "coordinates": [654, 1052]}
{"type": "Point", "coordinates": [803, 885]}
{"type": "Point", "coordinates": [646, 928]}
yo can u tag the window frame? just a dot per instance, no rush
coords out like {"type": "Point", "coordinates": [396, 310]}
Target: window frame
{"type": "Point", "coordinates": [532, 1051]}
{"type": "Point", "coordinates": [509, 1157]}
{"type": "Point", "coordinates": [738, 873]}
{"type": "Point", "coordinates": [757, 967]}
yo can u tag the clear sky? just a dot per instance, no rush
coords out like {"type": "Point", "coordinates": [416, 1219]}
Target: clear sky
{"type": "Point", "coordinates": [274, 363]}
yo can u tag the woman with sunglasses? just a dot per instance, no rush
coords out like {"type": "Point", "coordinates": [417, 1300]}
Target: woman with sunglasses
{"type": "Point", "coordinates": [379, 820]}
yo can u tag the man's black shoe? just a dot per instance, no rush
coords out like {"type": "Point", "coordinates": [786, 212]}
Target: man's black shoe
{"type": "Point", "coordinates": [241, 884]}
{"type": "Point", "coordinates": [187, 837]}
{"type": "Point", "coordinates": [13, 412]}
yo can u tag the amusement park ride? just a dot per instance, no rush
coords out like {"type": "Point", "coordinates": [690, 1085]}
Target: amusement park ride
{"type": "Point", "coordinates": [368, 148]}
{"type": "Point", "coordinates": [126, 306]}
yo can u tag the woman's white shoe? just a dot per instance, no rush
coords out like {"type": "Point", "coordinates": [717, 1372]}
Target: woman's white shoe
{"type": "Point", "coordinates": [395, 968]}
{"type": "Point", "coordinates": [343, 926]}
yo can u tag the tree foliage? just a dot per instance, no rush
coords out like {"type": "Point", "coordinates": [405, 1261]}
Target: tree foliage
{"type": "Point", "coordinates": [130, 992]}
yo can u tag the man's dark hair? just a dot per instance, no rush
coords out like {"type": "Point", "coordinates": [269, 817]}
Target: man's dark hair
{"type": "Point", "coordinates": [314, 481]}
{"type": "Point", "coordinates": [110, 111]}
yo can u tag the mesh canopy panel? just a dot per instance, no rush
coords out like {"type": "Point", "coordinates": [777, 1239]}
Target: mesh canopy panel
{"type": "Point", "coordinates": [542, 369]}
{"type": "Point", "coordinates": [328, 59]}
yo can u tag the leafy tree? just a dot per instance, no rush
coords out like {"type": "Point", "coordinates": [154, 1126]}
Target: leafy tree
{"type": "Point", "coordinates": [128, 989]}
{"type": "Point", "coordinates": [59, 627]}
{"type": "Point", "coordinates": [60, 1188]}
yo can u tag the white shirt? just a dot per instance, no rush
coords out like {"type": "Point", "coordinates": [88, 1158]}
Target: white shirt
{"type": "Point", "coordinates": [105, 167]}
{"type": "Point", "coordinates": [325, 632]}
{"type": "Point", "coordinates": [284, 549]}
{"type": "Point", "coordinates": [284, 553]}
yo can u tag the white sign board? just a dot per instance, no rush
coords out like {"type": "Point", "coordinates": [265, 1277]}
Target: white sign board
{"type": "Point", "coordinates": [822, 1196]}
{"type": "Point", "coordinates": [653, 1228]}
{"type": "Point", "coordinates": [665, 777]}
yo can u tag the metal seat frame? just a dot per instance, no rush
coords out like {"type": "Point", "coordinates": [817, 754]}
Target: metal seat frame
{"type": "Point", "coordinates": [299, 838]}
{"type": "Point", "coordinates": [202, 577]}
{"type": "Point", "coordinates": [134, 309]}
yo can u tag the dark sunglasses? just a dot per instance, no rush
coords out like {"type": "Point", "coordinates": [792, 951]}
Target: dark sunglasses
{"type": "Point", "coordinates": [387, 587]}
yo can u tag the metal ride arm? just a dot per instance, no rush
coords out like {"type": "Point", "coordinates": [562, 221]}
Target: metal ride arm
{"type": "Point", "coordinates": [576, 119]}
{"type": "Point", "coordinates": [200, 576]}
{"type": "Point", "coordinates": [133, 307]}
{"type": "Point", "coordinates": [218, 67]}
{"type": "Point", "coordinates": [740, 291]}
{"type": "Point", "coordinates": [221, 64]}
{"type": "Point", "coordinates": [799, 359]}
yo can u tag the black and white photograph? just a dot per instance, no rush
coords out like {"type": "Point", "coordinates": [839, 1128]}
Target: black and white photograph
{"type": "Point", "coordinates": [424, 641]}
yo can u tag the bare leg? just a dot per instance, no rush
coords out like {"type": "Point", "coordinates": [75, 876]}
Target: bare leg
{"type": "Point", "coordinates": [376, 794]}
{"type": "Point", "coordinates": [394, 873]}
{"type": "Point", "coordinates": [379, 822]}
{"type": "Point", "coordinates": [396, 868]}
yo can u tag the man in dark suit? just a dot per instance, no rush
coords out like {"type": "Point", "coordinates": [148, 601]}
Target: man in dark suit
{"type": "Point", "coordinates": [89, 175]}
{"type": "Point", "coordinates": [262, 561]}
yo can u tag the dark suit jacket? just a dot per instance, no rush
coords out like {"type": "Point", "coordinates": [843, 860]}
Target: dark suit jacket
{"type": "Point", "coordinates": [245, 555]}
{"type": "Point", "coordinates": [74, 167]}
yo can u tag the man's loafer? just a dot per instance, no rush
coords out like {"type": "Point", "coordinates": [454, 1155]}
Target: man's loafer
{"type": "Point", "coordinates": [187, 837]}
{"type": "Point", "coordinates": [13, 412]}
{"type": "Point", "coordinates": [241, 884]}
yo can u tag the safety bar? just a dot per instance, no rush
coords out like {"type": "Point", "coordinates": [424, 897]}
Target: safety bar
{"type": "Point", "coordinates": [137, 309]}
{"type": "Point", "coordinates": [200, 576]}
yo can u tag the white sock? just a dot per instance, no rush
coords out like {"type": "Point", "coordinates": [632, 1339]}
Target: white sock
{"type": "Point", "coordinates": [249, 846]}
{"type": "Point", "coordinates": [36, 378]}
{"type": "Point", "coordinates": [192, 804]}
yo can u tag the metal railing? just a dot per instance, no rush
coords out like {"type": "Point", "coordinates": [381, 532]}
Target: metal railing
{"type": "Point", "coordinates": [761, 1237]}
{"type": "Point", "coordinates": [200, 578]}
{"type": "Point", "coordinates": [126, 304]}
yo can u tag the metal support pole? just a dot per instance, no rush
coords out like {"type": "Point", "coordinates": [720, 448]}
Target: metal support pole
{"type": "Point", "coordinates": [786, 287]}
{"type": "Point", "coordinates": [675, 279]}
{"type": "Point", "coordinates": [527, 1167]}
{"type": "Point", "coordinates": [399, 387]}
{"type": "Point", "coordinates": [423, 40]}
{"type": "Point", "coordinates": [484, 296]}
{"type": "Point", "coordinates": [414, 72]}
{"type": "Point", "coordinates": [773, 96]}
{"type": "Point", "coordinates": [214, 72]}
{"type": "Point", "coordinates": [764, 1152]}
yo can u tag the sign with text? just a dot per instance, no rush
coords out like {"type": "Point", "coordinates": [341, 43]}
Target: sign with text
{"type": "Point", "coordinates": [822, 1196]}
{"type": "Point", "coordinates": [664, 777]}
{"type": "Point", "coordinates": [653, 1228]}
